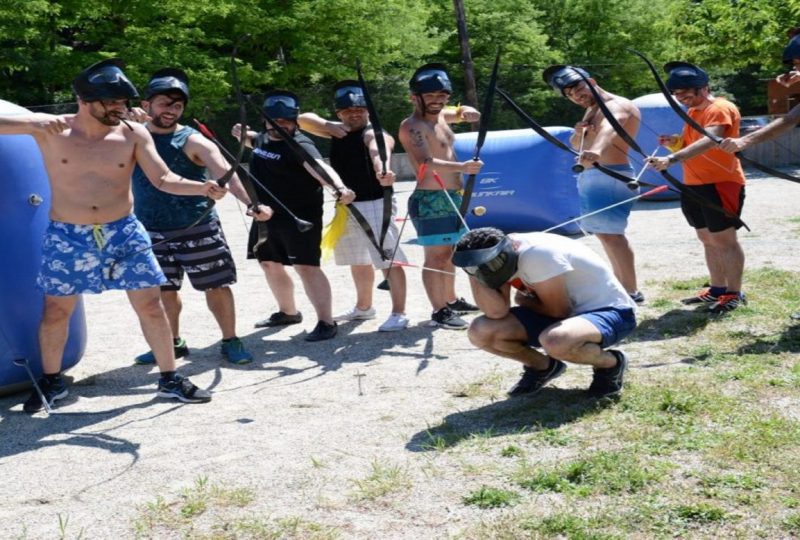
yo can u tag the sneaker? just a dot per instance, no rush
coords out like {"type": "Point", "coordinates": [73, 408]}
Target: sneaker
{"type": "Point", "coordinates": [637, 297]}
{"type": "Point", "coordinates": [52, 392]}
{"type": "Point", "coordinates": [534, 380]}
{"type": "Point", "coordinates": [356, 314]}
{"type": "Point", "coordinates": [280, 318]}
{"type": "Point", "coordinates": [149, 359]}
{"type": "Point", "coordinates": [462, 307]}
{"type": "Point", "coordinates": [182, 389]}
{"type": "Point", "coordinates": [446, 318]}
{"type": "Point", "coordinates": [395, 322]}
{"type": "Point", "coordinates": [234, 352]}
{"type": "Point", "coordinates": [728, 302]}
{"type": "Point", "coordinates": [608, 381]}
{"type": "Point", "coordinates": [795, 316]}
{"type": "Point", "coordinates": [702, 297]}
{"type": "Point", "coordinates": [322, 331]}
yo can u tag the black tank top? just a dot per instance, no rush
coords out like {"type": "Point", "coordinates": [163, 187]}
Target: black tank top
{"type": "Point", "coordinates": [350, 158]}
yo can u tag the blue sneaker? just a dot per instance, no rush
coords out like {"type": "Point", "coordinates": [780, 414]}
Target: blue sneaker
{"type": "Point", "coordinates": [52, 391]}
{"type": "Point", "coordinates": [149, 359]}
{"type": "Point", "coordinates": [182, 389]}
{"type": "Point", "coordinates": [234, 352]}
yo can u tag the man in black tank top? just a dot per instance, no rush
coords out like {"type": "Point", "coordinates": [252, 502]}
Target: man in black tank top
{"type": "Point", "coordinates": [355, 156]}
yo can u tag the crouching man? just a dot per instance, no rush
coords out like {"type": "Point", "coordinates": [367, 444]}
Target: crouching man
{"type": "Point", "coordinates": [569, 305]}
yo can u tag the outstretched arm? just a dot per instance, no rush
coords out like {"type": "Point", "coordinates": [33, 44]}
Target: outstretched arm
{"type": "Point", "coordinates": [316, 125]}
{"type": "Point", "coordinates": [770, 131]}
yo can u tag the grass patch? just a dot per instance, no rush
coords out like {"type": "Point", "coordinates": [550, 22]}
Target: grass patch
{"type": "Point", "coordinates": [383, 479]}
{"type": "Point", "coordinates": [488, 497]}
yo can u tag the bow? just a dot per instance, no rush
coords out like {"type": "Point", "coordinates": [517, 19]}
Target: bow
{"type": "Point", "coordinates": [625, 136]}
{"type": "Point", "coordinates": [483, 127]}
{"type": "Point", "coordinates": [542, 132]}
{"type": "Point", "coordinates": [388, 192]}
{"type": "Point", "coordinates": [700, 129]}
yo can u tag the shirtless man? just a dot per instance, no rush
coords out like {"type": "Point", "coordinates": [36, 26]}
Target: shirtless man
{"type": "Point", "coordinates": [428, 140]}
{"type": "Point", "coordinates": [599, 143]}
{"type": "Point", "coordinates": [94, 242]}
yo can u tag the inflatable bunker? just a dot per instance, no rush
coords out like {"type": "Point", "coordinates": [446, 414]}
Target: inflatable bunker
{"type": "Point", "coordinates": [23, 220]}
{"type": "Point", "coordinates": [526, 183]}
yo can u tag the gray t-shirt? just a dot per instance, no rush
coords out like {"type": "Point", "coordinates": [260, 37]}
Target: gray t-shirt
{"type": "Point", "coordinates": [590, 282]}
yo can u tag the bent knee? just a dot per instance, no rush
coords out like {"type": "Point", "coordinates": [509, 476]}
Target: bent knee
{"type": "Point", "coordinates": [557, 342]}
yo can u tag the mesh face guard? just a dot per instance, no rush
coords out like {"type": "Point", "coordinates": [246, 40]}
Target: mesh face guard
{"type": "Point", "coordinates": [492, 266]}
{"type": "Point", "coordinates": [562, 77]}
{"type": "Point", "coordinates": [683, 75]}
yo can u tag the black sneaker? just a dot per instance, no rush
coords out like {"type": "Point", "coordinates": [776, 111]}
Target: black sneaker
{"type": "Point", "coordinates": [637, 297]}
{"type": "Point", "coordinates": [280, 318]}
{"type": "Point", "coordinates": [462, 307]}
{"type": "Point", "coordinates": [447, 318]}
{"type": "Point", "coordinates": [534, 380]}
{"type": "Point", "coordinates": [182, 388]}
{"type": "Point", "coordinates": [728, 302]}
{"type": "Point", "coordinates": [608, 381]}
{"type": "Point", "coordinates": [52, 391]}
{"type": "Point", "coordinates": [323, 331]}
{"type": "Point", "coordinates": [795, 316]}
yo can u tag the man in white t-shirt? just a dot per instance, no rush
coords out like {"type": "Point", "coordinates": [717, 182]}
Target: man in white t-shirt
{"type": "Point", "coordinates": [569, 305]}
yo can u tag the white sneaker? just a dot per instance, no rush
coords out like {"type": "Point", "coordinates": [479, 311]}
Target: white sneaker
{"type": "Point", "coordinates": [395, 322]}
{"type": "Point", "coordinates": [356, 314]}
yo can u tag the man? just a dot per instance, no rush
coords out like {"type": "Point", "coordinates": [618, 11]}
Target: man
{"type": "Point", "coordinates": [201, 250]}
{"type": "Point", "coordinates": [791, 58]}
{"type": "Point", "coordinates": [569, 304]}
{"type": "Point", "coordinates": [354, 156]}
{"type": "Point", "coordinates": [597, 142]}
{"type": "Point", "coordinates": [93, 242]}
{"type": "Point", "coordinates": [299, 187]}
{"type": "Point", "coordinates": [711, 174]}
{"type": "Point", "coordinates": [433, 207]}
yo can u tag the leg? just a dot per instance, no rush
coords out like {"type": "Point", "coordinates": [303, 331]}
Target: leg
{"type": "Point", "coordinates": [221, 305]}
{"type": "Point", "coordinates": [578, 341]}
{"type": "Point", "coordinates": [155, 326]}
{"type": "Point", "coordinates": [363, 279]}
{"type": "Point", "coordinates": [506, 337]}
{"type": "Point", "coordinates": [714, 261]}
{"type": "Point", "coordinates": [318, 290]}
{"type": "Point", "coordinates": [397, 284]}
{"type": "Point", "coordinates": [173, 307]}
{"type": "Point", "coordinates": [54, 330]}
{"type": "Point", "coordinates": [621, 256]}
{"type": "Point", "coordinates": [281, 285]}
{"type": "Point", "coordinates": [439, 287]}
{"type": "Point", "coordinates": [730, 255]}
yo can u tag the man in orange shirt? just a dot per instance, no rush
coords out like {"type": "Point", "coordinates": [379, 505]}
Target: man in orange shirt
{"type": "Point", "coordinates": [714, 175]}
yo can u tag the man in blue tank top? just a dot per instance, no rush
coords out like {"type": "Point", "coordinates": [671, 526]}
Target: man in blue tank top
{"type": "Point", "coordinates": [355, 156]}
{"type": "Point", "coordinates": [200, 251]}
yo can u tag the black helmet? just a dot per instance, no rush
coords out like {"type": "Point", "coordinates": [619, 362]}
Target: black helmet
{"type": "Point", "coordinates": [282, 104]}
{"type": "Point", "coordinates": [685, 75]}
{"type": "Point", "coordinates": [166, 81]}
{"type": "Point", "coordinates": [561, 77]}
{"type": "Point", "coordinates": [348, 94]}
{"type": "Point", "coordinates": [792, 50]}
{"type": "Point", "coordinates": [104, 80]}
{"type": "Point", "coordinates": [430, 78]}
{"type": "Point", "coordinates": [493, 265]}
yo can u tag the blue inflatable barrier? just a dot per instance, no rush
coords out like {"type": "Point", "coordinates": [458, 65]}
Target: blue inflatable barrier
{"type": "Point", "coordinates": [23, 219]}
{"type": "Point", "coordinates": [657, 119]}
{"type": "Point", "coordinates": [526, 183]}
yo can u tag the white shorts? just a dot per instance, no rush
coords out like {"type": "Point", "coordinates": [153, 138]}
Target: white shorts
{"type": "Point", "coordinates": [354, 247]}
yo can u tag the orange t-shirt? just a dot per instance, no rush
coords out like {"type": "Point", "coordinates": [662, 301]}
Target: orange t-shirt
{"type": "Point", "coordinates": [714, 165]}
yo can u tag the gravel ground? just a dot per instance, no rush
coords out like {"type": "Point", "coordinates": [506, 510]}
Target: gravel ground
{"type": "Point", "coordinates": [303, 420]}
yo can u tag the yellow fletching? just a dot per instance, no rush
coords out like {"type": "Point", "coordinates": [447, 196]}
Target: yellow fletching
{"type": "Point", "coordinates": [333, 231]}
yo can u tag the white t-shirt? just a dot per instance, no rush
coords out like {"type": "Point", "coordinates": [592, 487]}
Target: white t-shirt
{"type": "Point", "coordinates": [590, 282]}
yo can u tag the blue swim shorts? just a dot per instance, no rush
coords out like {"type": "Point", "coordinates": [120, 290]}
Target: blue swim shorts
{"type": "Point", "coordinates": [598, 190]}
{"type": "Point", "coordinates": [614, 324]}
{"type": "Point", "coordinates": [434, 217]}
{"type": "Point", "coordinates": [77, 259]}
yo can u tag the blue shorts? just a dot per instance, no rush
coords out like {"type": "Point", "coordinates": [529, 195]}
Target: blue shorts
{"type": "Point", "coordinates": [434, 217]}
{"type": "Point", "coordinates": [77, 259]}
{"type": "Point", "coordinates": [598, 190]}
{"type": "Point", "coordinates": [614, 324]}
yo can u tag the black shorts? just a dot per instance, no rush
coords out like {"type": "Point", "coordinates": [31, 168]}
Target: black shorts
{"type": "Point", "coordinates": [728, 195]}
{"type": "Point", "coordinates": [201, 252]}
{"type": "Point", "coordinates": [286, 245]}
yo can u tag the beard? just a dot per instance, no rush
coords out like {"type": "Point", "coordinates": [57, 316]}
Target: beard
{"type": "Point", "coordinates": [160, 122]}
{"type": "Point", "coordinates": [106, 117]}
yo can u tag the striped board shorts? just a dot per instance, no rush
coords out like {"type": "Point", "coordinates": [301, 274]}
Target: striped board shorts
{"type": "Point", "coordinates": [201, 252]}
{"type": "Point", "coordinates": [354, 247]}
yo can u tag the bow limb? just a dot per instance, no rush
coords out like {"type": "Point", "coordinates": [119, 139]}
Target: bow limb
{"type": "Point", "coordinates": [380, 140]}
{"type": "Point", "coordinates": [700, 129]}
{"type": "Point", "coordinates": [483, 128]}
{"type": "Point", "coordinates": [542, 132]}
